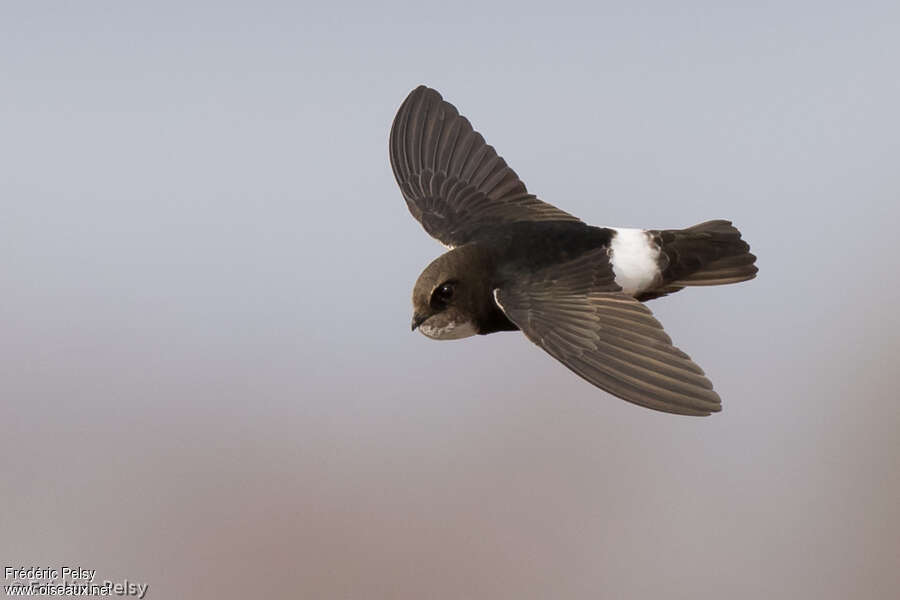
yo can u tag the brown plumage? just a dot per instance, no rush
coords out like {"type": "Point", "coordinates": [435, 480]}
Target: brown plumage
{"type": "Point", "coordinates": [517, 262]}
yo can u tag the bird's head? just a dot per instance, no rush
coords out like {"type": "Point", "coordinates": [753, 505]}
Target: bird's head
{"type": "Point", "coordinates": [450, 294]}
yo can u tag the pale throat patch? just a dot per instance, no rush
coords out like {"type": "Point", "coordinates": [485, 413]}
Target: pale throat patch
{"type": "Point", "coordinates": [450, 331]}
{"type": "Point", "coordinates": [633, 257]}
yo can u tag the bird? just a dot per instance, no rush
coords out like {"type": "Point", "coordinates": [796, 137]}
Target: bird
{"type": "Point", "coordinates": [517, 263]}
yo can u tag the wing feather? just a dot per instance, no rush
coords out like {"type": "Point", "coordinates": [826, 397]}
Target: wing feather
{"type": "Point", "coordinates": [580, 316]}
{"type": "Point", "coordinates": [454, 182]}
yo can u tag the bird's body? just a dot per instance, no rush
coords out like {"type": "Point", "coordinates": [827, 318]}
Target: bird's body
{"type": "Point", "coordinates": [574, 289]}
{"type": "Point", "coordinates": [498, 252]}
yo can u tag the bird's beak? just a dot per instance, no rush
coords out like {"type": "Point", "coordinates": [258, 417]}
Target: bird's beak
{"type": "Point", "coordinates": [418, 320]}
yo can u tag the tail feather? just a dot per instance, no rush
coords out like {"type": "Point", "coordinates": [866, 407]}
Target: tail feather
{"type": "Point", "coordinates": [730, 269]}
{"type": "Point", "coordinates": [710, 253]}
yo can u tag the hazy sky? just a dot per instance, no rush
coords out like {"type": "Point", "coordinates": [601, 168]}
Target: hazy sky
{"type": "Point", "coordinates": [207, 379]}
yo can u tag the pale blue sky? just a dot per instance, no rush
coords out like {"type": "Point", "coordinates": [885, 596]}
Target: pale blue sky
{"type": "Point", "coordinates": [205, 357]}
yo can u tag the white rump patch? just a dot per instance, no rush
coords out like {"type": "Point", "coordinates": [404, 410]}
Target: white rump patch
{"type": "Point", "coordinates": [633, 257]}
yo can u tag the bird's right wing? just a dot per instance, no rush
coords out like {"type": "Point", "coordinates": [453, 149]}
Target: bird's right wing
{"type": "Point", "coordinates": [452, 180]}
{"type": "Point", "coordinates": [578, 314]}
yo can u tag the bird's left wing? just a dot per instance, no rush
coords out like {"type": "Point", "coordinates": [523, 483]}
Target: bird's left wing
{"type": "Point", "coordinates": [452, 180]}
{"type": "Point", "coordinates": [578, 314]}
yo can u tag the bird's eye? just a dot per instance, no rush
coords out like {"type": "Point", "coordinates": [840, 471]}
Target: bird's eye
{"type": "Point", "coordinates": [442, 294]}
{"type": "Point", "coordinates": [445, 291]}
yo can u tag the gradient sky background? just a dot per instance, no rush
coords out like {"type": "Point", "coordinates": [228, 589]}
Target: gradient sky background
{"type": "Point", "coordinates": [208, 379]}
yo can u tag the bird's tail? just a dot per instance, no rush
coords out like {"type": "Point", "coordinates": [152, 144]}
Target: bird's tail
{"type": "Point", "coordinates": [710, 253]}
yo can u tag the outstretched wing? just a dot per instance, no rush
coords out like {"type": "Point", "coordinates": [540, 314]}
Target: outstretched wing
{"type": "Point", "coordinates": [452, 180]}
{"type": "Point", "coordinates": [579, 315]}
